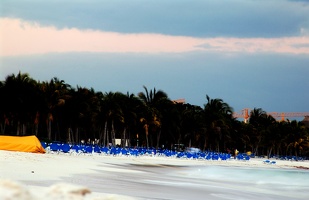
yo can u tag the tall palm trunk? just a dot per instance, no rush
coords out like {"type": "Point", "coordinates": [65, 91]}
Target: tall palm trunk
{"type": "Point", "coordinates": [24, 128]}
{"type": "Point", "coordinates": [104, 133]}
{"type": "Point", "coordinates": [3, 127]}
{"type": "Point", "coordinates": [76, 135]}
{"type": "Point", "coordinates": [113, 135]}
{"type": "Point", "coordinates": [129, 138]}
{"type": "Point", "coordinates": [269, 152]}
{"type": "Point", "coordinates": [100, 136]}
{"type": "Point", "coordinates": [18, 128]}
{"type": "Point", "coordinates": [146, 132]}
{"type": "Point", "coordinates": [257, 144]}
{"type": "Point", "coordinates": [158, 139]}
{"type": "Point", "coordinates": [123, 139]}
{"type": "Point", "coordinates": [36, 123]}
{"type": "Point", "coordinates": [107, 137]}
{"type": "Point", "coordinates": [205, 144]}
{"type": "Point", "coordinates": [5, 122]}
{"type": "Point", "coordinates": [69, 135]}
{"type": "Point", "coordinates": [36, 129]}
{"type": "Point", "coordinates": [178, 140]}
{"type": "Point", "coordinates": [49, 126]}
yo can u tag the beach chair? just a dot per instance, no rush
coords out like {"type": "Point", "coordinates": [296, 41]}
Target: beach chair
{"type": "Point", "coordinates": [202, 156]}
{"type": "Point", "coordinates": [167, 153]}
{"type": "Point", "coordinates": [266, 161]}
{"type": "Point", "coordinates": [141, 151]}
{"type": "Point", "coordinates": [97, 149]}
{"type": "Point", "coordinates": [240, 157]}
{"type": "Point", "coordinates": [115, 151]}
{"type": "Point", "coordinates": [65, 148]}
{"type": "Point", "coordinates": [44, 144]}
{"type": "Point", "coordinates": [189, 155]}
{"type": "Point", "coordinates": [88, 150]}
{"type": "Point", "coordinates": [215, 157]}
{"type": "Point", "coordinates": [222, 156]}
{"type": "Point", "coordinates": [76, 149]}
{"type": "Point", "coordinates": [208, 157]}
{"type": "Point", "coordinates": [195, 156]}
{"type": "Point", "coordinates": [149, 151]}
{"type": "Point", "coordinates": [54, 147]}
{"type": "Point", "coordinates": [105, 150]}
{"type": "Point", "coordinates": [134, 152]}
{"type": "Point", "coordinates": [180, 155]}
{"type": "Point", "coordinates": [124, 152]}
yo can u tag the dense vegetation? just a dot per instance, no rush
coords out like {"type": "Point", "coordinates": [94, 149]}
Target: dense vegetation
{"type": "Point", "coordinates": [55, 111]}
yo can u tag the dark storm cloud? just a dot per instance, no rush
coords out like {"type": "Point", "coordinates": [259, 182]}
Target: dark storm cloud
{"type": "Point", "coordinates": [199, 18]}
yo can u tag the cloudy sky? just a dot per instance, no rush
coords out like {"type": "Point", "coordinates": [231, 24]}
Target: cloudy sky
{"type": "Point", "coordinates": [252, 54]}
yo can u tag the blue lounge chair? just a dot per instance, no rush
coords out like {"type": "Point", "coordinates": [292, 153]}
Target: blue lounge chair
{"type": "Point", "coordinates": [65, 148]}
{"type": "Point", "coordinates": [76, 149]}
{"type": "Point", "coordinates": [54, 147]}
{"type": "Point", "coordinates": [96, 149]}
{"type": "Point", "coordinates": [266, 161]}
{"type": "Point", "coordinates": [124, 152]}
{"type": "Point", "coordinates": [189, 155]}
{"type": "Point", "coordinates": [134, 152]}
{"type": "Point", "coordinates": [215, 157]}
{"type": "Point", "coordinates": [105, 150]}
{"type": "Point", "coordinates": [44, 145]}
{"type": "Point", "coordinates": [88, 149]}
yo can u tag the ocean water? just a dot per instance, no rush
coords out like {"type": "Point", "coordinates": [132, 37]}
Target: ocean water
{"type": "Point", "coordinates": [144, 180]}
{"type": "Point", "coordinates": [254, 183]}
{"type": "Point", "coordinates": [297, 177]}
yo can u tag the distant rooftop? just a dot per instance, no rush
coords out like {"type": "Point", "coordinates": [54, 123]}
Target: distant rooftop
{"type": "Point", "coordinates": [179, 101]}
{"type": "Point", "coordinates": [306, 121]}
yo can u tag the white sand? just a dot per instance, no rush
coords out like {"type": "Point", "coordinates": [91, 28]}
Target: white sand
{"type": "Point", "coordinates": [60, 176]}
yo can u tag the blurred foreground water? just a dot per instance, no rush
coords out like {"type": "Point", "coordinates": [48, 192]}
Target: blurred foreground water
{"type": "Point", "coordinates": [254, 182]}
{"type": "Point", "coordinates": [147, 181]}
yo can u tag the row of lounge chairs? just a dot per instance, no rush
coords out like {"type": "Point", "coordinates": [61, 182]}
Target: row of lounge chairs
{"type": "Point", "coordinates": [117, 151]}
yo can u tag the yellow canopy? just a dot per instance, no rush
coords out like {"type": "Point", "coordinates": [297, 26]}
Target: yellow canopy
{"type": "Point", "coordinates": [21, 143]}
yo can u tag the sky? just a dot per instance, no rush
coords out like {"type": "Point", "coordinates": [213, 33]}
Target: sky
{"type": "Point", "coordinates": [251, 54]}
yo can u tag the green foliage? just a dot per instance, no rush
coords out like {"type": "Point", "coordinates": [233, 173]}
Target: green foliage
{"type": "Point", "coordinates": [53, 110]}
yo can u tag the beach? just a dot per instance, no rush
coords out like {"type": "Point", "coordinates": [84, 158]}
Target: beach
{"type": "Point", "coordinates": [98, 176]}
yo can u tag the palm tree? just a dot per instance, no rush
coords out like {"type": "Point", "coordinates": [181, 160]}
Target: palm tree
{"type": "Point", "coordinates": [111, 110]}
{"type": "Point", "coordinates": [261, 123]}
{"type": "Point", "coordinates": [79, 115]}
{"type": "Point", "coordinates": [270, 134]}
{"type": "Point", "coordinates": [298, 138]}
{"type": "Point", "coordinates": [3, 117]}
{"type": "Point", "coordinates": [281, 134]}
{"type": "Point", "coordinates": [256, 120]}
{"type": "Point", "coordinates": [129, 106]}
{"type": "Point", "coordinates": [171, 124]}
{"type": "Point", "coordinates": [218, 116]}
{"type": "Point", "coordinates": [20, 104]}
{"type": "Point", "coordinates": [242, 136]}
{"type": "Point", "coordinates": [56, 93]}
{"type": "Point", "coordinates": [152, 101]}
{"type": "Point", "coordinates": [192, 126]}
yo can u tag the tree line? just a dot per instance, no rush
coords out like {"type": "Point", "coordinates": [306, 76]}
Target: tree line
{"type": "Point", "coordinates": [55, 111]}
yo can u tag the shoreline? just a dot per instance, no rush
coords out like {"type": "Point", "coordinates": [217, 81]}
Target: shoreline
{"type": "Point", "coordinates": [253, 162]}
{"type": "Point", "coordinates": [65, 174]}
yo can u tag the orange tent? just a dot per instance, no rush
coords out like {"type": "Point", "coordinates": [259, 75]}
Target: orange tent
{"type": "Point", "coordinates": [21, 143]}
